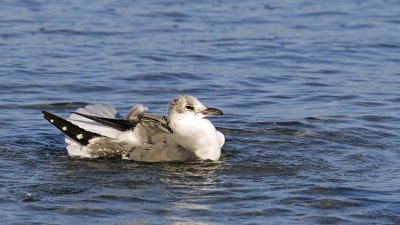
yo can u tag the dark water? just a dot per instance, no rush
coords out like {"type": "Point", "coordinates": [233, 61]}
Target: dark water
{"type": "Point", "coordinates": [310, 90]}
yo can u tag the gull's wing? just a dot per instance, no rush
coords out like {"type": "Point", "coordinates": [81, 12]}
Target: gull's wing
{"type": "Point", "coordinates": [155, 121]}
{"type": "Point", "coordinates": [119, 124]}
{"type": "Point", "coordinates": [136, 115]}
{"type": "Point", "coordinates": [71, 130]}
{"type": "Point", "coordinates": [146, 120]}
{"type": "Point", "coordinates": [100, 131]}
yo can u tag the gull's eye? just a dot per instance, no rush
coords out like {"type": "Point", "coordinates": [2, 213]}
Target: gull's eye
{"type": "Point", "coordinates": [190, 107]}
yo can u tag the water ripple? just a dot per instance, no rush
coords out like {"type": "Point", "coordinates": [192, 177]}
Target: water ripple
{"type": "Point", "coordinates": [309, 91]}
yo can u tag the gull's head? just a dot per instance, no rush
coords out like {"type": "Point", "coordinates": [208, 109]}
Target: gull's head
{"type": "Point", "coordinates": [187, 106]}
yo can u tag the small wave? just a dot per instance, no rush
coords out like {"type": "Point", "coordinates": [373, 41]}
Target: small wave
{"type": "Point", "coordinates": [323, 13]}
{"type": "Point", "coordinates": [78, 32]}
{"type": "Point", "coordinates": [324, 203]}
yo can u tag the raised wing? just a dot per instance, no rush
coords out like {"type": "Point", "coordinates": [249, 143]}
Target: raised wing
{"type": "Point", "coordinates": [146, 120]}
{"type": "Point", "coordinates": [119, 124]}
{"type": "Point", "coordinates": [71, 130]}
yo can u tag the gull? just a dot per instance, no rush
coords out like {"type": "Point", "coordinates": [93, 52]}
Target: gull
{"type": "Point", "coordinates": [99, 131]}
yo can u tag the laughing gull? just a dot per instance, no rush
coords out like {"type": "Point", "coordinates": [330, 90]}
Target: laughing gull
{"type": "Point", "coordinates": [99, 131]}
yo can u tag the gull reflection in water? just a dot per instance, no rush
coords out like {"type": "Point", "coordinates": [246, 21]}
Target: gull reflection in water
{"type": "Point", "coordinates": [192, 185]}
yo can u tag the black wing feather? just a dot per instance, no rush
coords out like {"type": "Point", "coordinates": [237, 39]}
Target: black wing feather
{"type": "Point", "coordinates": [119, 124]}
{"type": "Point", "coordinates": [71, 130]}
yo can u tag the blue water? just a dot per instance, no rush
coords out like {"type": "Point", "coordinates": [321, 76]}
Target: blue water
{"type": "Point", "coordinates": [310, 91]}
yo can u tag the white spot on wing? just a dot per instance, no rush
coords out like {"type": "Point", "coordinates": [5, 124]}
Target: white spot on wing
{"type": "Point", "coordinates": [64, 128]}
{"type": "Point", "coordinates": [52, 121]}
{"type": "Point", "coordinates": [79, 136]}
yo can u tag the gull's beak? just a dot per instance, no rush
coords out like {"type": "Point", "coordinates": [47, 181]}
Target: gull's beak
{"type": "Point", "coordinates": [212, 111]}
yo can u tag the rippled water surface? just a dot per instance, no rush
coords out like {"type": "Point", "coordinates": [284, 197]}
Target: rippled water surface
{"type": "Point", "coordinates": [310, 91]}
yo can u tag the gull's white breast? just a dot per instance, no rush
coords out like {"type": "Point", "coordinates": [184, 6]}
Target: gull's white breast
{"type": "Point", "coordinates": [199, 136]}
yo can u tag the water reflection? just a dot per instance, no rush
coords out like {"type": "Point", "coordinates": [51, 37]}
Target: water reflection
{"type": "Point", "coordinates": [191, 174]}
{"type": "Point", "coordinates": [191, 183]}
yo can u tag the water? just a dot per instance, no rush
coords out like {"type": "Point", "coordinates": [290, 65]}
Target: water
{"type": "Point", "coordinates": [310, 91]}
